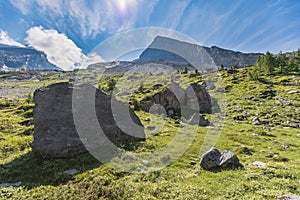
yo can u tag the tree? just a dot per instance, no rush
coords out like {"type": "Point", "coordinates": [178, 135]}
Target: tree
{"type": "Point", "coordinates": [282, 62]}
{"type": "Point", "coordinates": [259, 62]}
{"type": "Point", "coordinates": [294, 61]}
{"type": "Point", "coordinates": [268, 63]}
{"type": "Point", "coordinates": [253, 74]}
{"type": "Point", "coordinates": [185, 70]}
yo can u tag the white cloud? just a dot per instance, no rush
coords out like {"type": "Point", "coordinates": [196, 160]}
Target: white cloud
{"type": "Point", "coordinates": [60, 50]}
{"type": "Point", "coordinates": [5, 39]}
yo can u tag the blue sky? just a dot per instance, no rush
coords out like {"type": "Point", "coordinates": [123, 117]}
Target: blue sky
{"type": "Point", "coordinates": [245, 25]}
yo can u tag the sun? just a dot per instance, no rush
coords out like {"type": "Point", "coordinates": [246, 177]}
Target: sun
{"type": "Point", "coordinates": [124, 5]}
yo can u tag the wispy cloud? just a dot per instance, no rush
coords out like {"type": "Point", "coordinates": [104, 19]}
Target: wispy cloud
{"type": "Point", "coordinates": [23, 6]}
{"type": "Point", "coordinates": [173, 14]}
{"type": "Point", "coordinates": [92, 17]}
{"type": "Point", "coordinates": [5, 39]}
{"type": "Point", "coordinates": [240, 25]}
{"type": "Point", "coordinates": [60, 50]}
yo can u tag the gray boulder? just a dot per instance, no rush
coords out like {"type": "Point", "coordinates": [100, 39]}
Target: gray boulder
{"type": "Point", "coordinates": [195, 98]}
{"type": "Point", "coordinates": [202, 102]}
{"type": "Point", "coordinates": [213, 159]}
{"type": "Point", "coordinates": [55, 133]}
{"type": "Point", "coordinates": [229, 160]}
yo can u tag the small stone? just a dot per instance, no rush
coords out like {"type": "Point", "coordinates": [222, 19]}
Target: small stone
{"type": "Point", "coordinates": [256, 121]}
{"type": "Point", "coordinates": [147, 119]}
{"type": "Point", "coordinates": [145, 162]}
{"type": "Point", "coordinates": [193, 162]}
{"type": "Point", "coordinates": [246, 151]}
{"type": "Point", "coordinates": [298, 135]}
{"type": "Point", "coordinates": [259, 164]}
{"type": "Point", "coordinates": [285, 147]}
{"type": "Point", "coordinates": [71, 171]}
{"type": "Point", "coordinates": [151, 128]}
{"type": "Point", "coordinates": [67, 186]}
{"type": "Point", "coordinates": [269, 156]}
{"type": "Point", "coordinates": [275, 156]}
{"type": "Point", "coordinates": [155, 134]}
{"type": "Point", "coordinates": [239, 117]}
{"type": "Point", "coordinates": [177, 122]}
{"type": "Point", "coordinates": [295, 125]}
{"type": "Point", "coordinates": [293, 92]}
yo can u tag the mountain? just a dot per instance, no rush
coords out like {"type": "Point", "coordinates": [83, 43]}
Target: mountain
{"type": "Point", "coordinates": [171, 50]}
{"type": "Point", "coordinates": [21, 58]}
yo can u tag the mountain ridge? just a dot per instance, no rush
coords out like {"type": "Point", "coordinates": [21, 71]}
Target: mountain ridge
{"type": "Point", "coordinates": [172, 50]}
{"type": "Point", "coordinates": [14, 58]}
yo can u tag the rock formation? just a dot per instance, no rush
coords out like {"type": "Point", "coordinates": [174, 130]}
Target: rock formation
{"type": "Point", "coordinates": [213, 159]}
{"type": "Point", "coordinates": [174, 99]}
{"type": "Point", "coordinates": [55, 134]}
{"type": "Point", "coordinates": [171, 50]}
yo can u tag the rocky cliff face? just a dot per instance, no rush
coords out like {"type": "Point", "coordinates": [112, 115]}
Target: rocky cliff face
{"type": "Point", "coordinates": [170, 50]}
{"type": "Point", "coordinates": [229, 58]}
{"type": "Point", "coordinates": [19, 58]}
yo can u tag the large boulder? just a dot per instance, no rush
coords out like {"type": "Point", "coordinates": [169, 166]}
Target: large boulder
{"type": "Point", "coordinates": [174, 98]}
{"type": "Point", "coordinates": [55, 134]}
{"type": "Point", "coordinates": [203, 101]}
{"type": "Point", "coordinates": [169, 98]}
{"type": "Point", "coordinates": [213, 159]}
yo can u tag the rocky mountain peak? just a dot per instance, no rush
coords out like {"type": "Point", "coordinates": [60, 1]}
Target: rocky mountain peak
{"type": "Point", "coordinates": [171, 50]}
{"type": "Point", "coordinates": [22, 58]}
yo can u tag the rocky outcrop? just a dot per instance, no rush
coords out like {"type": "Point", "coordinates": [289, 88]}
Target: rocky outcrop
{"type": "Point", "coordinates": [202, 102]}
{"type": "Point", "coordinates": [213, 159]}
{"type": "Point", "coordinates": [22, 58]}
{"type": "Point", "coordinates": [55, 134]}
{"type": "Point", "coordinates": [170, 50]}
{"type": "Point", "coordinates": [174, 99]}
{"type": "Point", "coordinates": [229, 58]}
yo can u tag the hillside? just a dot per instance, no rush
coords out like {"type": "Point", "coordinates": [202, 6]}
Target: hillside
{"type": "Point", "coordinates": [275, 142]}
{"type": "Point", "coordinates": [21, 58]}
{"type": "Point", "coordinates": [171, 50]}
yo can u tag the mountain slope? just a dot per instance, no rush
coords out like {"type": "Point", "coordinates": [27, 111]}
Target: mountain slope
{"type": "Point", "coordinates": [19, 58]}
{"type": "Point", "coordinates": [171, 50]}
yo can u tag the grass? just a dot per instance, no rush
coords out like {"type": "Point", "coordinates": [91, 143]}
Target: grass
{"type": "Point", "coordinates": [45, 179]}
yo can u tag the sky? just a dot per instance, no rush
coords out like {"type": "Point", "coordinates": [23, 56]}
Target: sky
{"type": "Point", "coordinates": [78, 26]}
